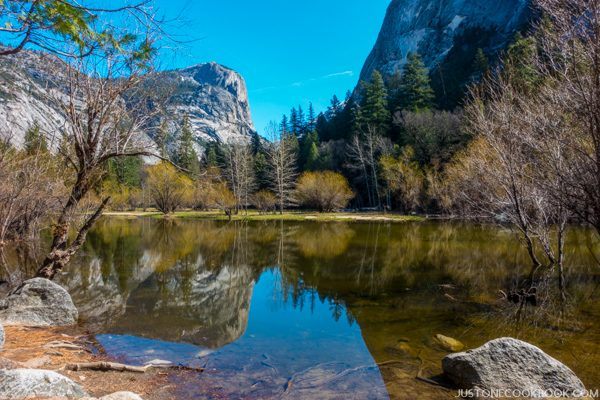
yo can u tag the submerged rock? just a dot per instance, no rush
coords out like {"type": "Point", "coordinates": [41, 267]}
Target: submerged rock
{"type": "Point", "coordinates": [121, 396]}
{"type": "Point", "coordinates": [448, 343]}
{"type": "Point", "coordinates": [33, 383]}
{"type": "Point", "coordinates": [38, 302]}
{"type": "Point", "coordinates": [510, 364]}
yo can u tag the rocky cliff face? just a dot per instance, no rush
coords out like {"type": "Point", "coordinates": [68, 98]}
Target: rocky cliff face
{"type": "Point", "coordinates": [213, 97]}
{"type": "Point", "coordinates": [446, 33]}
{"type": "Point", "coordinates": [215, 100]}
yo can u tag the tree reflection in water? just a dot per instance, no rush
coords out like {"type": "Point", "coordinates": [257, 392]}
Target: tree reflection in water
{"type": "Point", "coordinates": [359, 293]}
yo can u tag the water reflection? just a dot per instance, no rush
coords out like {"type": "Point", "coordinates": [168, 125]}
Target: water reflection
{"type": "Point", "coordinates": [299, 309]}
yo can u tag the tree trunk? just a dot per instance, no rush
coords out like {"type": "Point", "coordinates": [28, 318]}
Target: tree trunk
{"type": "Point", "coordinates": [60, 254]}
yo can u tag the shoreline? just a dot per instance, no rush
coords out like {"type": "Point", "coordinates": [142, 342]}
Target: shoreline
{"type": "Point", "coordinates": [286, 216]}
{"type": "Point", "coordinates": [52, 348]}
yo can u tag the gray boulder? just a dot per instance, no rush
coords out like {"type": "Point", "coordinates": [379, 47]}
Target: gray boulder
{"type": "Point", "coordinates": [38, 302]}
{"type": "Point", "coordinates": [1, 336]}
{"type": "Point", "coordinates": [510, 364]}
{"type": "Point", "coordinates": [33, 383]}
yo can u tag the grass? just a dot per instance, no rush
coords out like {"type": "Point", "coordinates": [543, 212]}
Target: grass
{"type": "Point", "coordinates": [286, 216]}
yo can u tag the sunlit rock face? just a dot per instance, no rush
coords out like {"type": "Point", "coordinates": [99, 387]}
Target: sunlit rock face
{"type": "Point", "coordinates": [215, 100]}
{"type": "Point", "coordinates": [213, 97]}
{"type": "Point", "coordinates": [434, 28]}
{"type": "Point", "coordinates": [26, 85]}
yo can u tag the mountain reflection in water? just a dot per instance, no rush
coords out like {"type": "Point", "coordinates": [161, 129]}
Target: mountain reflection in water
{"type": "Point", "coordinates": [309, 310]}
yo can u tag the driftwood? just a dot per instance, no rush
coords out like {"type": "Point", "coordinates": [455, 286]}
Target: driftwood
{"type": "Point", "coordinates": [106, 366]}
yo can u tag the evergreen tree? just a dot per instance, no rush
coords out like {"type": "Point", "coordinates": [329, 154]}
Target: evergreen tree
{"type": "Point", "coordinates": [520, 63]}
{"type": "Point", "coordinates": [415, 86]}
{"type": "Point", "coordinates": [294, 125]}
{"type": "Point", "coordinates": [374, 107]}
{"type": "Point", "coordinates": [310, 124]}
{"type": "Point", "coordinates": [211, 157]}
{"type": "Point", "coordinates": [312, 160]}
{"type": "Point", "coordinates": [308, 140]}
{"type": "Point", "coordinates": [480, 63]}
{"type": "Point", "coordinates": [35, 142]}
{"type": "Point", "coordinates": [334, 107]}
{"type": "Point", "coordinates": [162, 139]}
{"type": "Point", "coordinates": [186, 156]}
{"type": "Point", "coordinates": [284, 127]}
{"type": "Point", "coordinates": [301, 121]}
{"type": "Point", "coordinates": [348, 96]}
{"type": "Point", "coordinates": [126, 171]}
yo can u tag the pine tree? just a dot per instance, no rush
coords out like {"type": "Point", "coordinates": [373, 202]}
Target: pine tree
{"type": "Point", "coordinates": [334, 107]}
{"type": "Point", "coordinates": [126, 171]}
{"type": "Point", "coordinates": [162, 139]}
{"type": "Point", "coordinates": [310, 124]}
{"type": "Point", "coordinates": [415, 87]}
{"type": "Point", "coordinates": [374, 107]}
{"type": "Point", "coordinates": [211, 157]}
{"type": "Point", "coordinates": [186, 156]}
{"type": "Point", "coordinates": [284, 127]}
{"type": "Point", "coordinates": [301, 121]}
{"type": "Point", "coordinates": [520, 63]}
{"type": "Point", "coordinates": [294, 126]}
{"type": "Point", "coordinates": [35, 142]}
{"type": "Point", "coordinates": [480, 63]}
{"type": "Point", "coordinates": [313, 158]}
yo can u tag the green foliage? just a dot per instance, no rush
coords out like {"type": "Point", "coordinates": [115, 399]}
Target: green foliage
{"type": "Point", "coordinates": [415, 92]}
{"type": "Point", "coordinates": [186, 156]}
{"type": "Point", "coordinates": [126, 171]}
{"type": "Point", "coordinates": [35, 141]}
{"type": "Point", "coordinates": [306, 148]}
{"type": "Point", "coordinates": [59, 26]}
{"type": "Point", "coordinates": [481, 64]}
{"type": "Point", "coordinates": [520, 63]}
{"type": "Point", "coordinates": [374, 106]}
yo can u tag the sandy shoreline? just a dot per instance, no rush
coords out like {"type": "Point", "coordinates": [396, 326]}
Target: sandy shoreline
{"type": "Point", "coordinates": [52, 348]}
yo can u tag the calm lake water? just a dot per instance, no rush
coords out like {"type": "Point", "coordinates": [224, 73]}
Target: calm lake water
{"type": "Point", "coordinates": [318, 310]}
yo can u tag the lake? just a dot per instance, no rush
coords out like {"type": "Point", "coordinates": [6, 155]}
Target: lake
{"type": "Point", "coordinates": [326, 310]}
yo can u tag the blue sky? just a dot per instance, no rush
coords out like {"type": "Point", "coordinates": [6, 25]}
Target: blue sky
{"type": "Point", "coordinates": [289, 52]}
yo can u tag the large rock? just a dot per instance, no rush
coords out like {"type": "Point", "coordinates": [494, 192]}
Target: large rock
{"type": "Point", "coordinates": [34, 383]}
{"type": "Point", "coordinates": [213, 97]}
{"type": "Point", "coordinates": [447, 34]}
{"type": "Point", "coordinates": [1, 336]}
{"type": "Point", "coordinates": [510, 364]}
{"type": "Point", "coordinates": [38, 302]}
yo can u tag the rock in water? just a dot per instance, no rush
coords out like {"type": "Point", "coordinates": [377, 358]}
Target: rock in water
{"type": "Point", "coordinates": [510, 364]}
{"type": "Point", "coordinates": [121, 396]}
{"type": "Point", "coordinates": [38, 302]}
{"type": "Point", "coordinates": [448, 343]}
{"type": "Point", "coordinates": [34, 383]}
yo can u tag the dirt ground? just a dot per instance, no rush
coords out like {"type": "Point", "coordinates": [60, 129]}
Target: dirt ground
{"type": "Point", "coordinates": [54, 348]}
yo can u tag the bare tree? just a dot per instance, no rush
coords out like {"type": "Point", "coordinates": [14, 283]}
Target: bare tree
{"type": "Point", "coordinates": [570, 44]}
{"type": "Point", "coordinates": [100, 126]}
{"type": "Point", "coordinates": [240, 172]}
{"type": "Point", "coordinates": [364, 151]}
{"type": "Point", "coordinates": [282, 158]}
{"type": "Point", "coordinates": [30, 191]}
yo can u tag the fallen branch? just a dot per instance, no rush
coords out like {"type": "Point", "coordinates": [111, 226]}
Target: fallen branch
{"type": "Point", "coordinates": [106, 366]}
